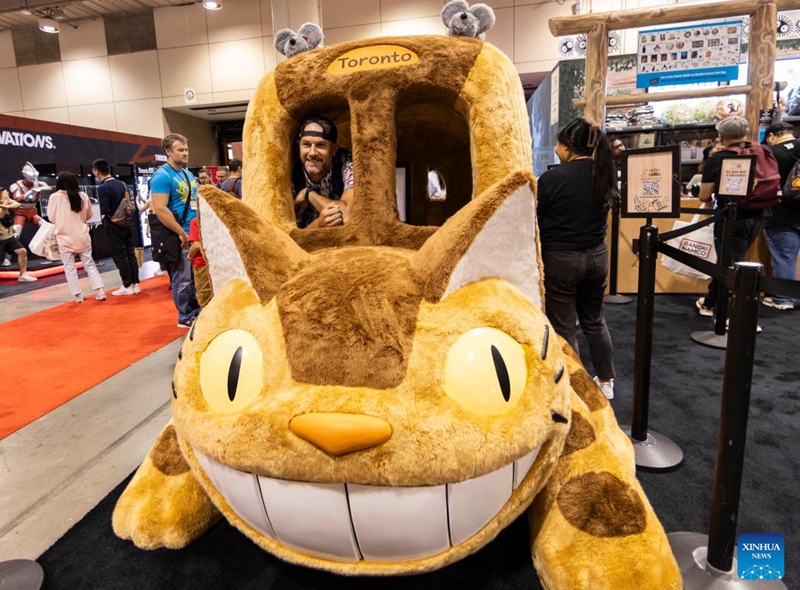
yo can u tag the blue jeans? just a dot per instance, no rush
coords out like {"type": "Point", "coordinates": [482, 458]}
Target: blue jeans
{"type": "Point", "coordinates": [784, 244]}
{"type": "Point", "coordinates": [183, 295]}
{"type": "Point", "coordinates": [574, 284]}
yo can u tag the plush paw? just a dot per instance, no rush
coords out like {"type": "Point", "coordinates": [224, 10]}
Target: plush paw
{"type": "Point", "coordinates": [164, 505]}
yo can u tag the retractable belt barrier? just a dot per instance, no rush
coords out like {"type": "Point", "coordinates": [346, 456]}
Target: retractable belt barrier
{"type": "Point", "coordinates": [746, 282]}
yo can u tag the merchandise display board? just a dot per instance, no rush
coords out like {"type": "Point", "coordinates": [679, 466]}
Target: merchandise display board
{"type": "Point", "coordinates": [689, 54]}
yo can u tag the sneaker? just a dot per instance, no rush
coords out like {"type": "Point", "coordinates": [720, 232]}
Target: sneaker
{"type": "Point", "coordinates": [26, 278]}
{"type": "Point", "coordinates": [160, 273]}
{"type": "Point", "coordinates": [184, 326]}
{"type": "Point", "coordinates": [123, 291]}
{"type": "Point", "coordinates": [78, 298]}
{"type": "Point", "coordinates": [6, 262]}
{"type": "Point", "coordinates": [769, 302]}
{"type": "Point", "coordinates": [606, 387]}
{"type": "Point", "coordinates": [700, 304]}
{"type": "Point", "coordinates": [728, 325]}
{"type": "Point", "coordinates": [136, 289]}
{"type": "Point", "coordinates": [101, 297]}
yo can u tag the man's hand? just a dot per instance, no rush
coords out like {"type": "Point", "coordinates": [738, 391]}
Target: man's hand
{"type": "Point", "coordinates": [184, 239]}
{"type": "Point", "coordinates": [331, 216]}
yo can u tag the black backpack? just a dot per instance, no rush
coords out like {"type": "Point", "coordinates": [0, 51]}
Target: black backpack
{"type": "Point", "coordinates": [791, 188]}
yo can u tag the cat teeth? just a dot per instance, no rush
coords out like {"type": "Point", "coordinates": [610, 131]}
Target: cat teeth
{"type": "Point", "coordinates": [348, 522]}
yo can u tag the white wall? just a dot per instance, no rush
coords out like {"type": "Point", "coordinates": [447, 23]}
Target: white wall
{"type": "Point", "coordinates": [223, 54]}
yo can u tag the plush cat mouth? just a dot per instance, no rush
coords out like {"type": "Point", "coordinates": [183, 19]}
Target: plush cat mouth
{"type": "Point", "coordinates": [349, 522]}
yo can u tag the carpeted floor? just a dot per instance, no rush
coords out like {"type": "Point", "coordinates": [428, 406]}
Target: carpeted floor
{"type": "Point", "coordinates": [686, 386]}
{"type": "Point", "coordinates": [74, 347]}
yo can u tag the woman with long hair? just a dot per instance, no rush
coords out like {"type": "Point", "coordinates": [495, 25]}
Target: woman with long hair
{"type": "Point", "coordinates": [573, 200]}
{"type": "Point", "coordinates": [69, 209]}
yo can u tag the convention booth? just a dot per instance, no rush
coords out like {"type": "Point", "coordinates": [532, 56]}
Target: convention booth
{"type": "Point", "coordinates": [632, 94]}
{"type": "Point", "coordinates": [54, 147]}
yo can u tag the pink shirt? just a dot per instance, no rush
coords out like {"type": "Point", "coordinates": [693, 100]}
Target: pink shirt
{"type": "Point", "coordinates": [72, 232]}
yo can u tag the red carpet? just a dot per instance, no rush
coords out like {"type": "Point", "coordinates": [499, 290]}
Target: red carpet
{"type": "Point", "coordinates": [52, 356]}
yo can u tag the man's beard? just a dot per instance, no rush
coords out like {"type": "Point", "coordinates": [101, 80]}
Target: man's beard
{"type": "Point", "coordinates": [315, 166]}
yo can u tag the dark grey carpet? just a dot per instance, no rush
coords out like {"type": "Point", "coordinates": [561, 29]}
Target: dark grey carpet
{"type": "Point", "coordinates": [686, 387]}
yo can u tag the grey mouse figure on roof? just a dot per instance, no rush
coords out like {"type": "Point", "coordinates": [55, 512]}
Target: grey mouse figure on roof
{"type": "Point", "coordinates": [307, 37]}
{"type": "Point", "coordinates": [464, 20]}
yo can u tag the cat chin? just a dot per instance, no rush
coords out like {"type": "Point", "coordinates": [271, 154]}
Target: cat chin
{"type": "Point", "coordinates": [352, 523]}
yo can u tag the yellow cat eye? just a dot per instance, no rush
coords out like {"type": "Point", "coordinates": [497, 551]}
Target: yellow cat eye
{"type": "Point", "coordinates": [486, 371]}
{"type": "Point", "coordinates": [231, 371]}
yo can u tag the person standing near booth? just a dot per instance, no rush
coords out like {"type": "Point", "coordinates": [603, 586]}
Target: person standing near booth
{"type": "Point", "coordinates": [782, 230]}
{"type": "Point", "coordinates": [173, 190]}
{"type": "Point", "coordinates": [69, 210]}
{"type": "Point", "coordinates": [733, 133]}
{"type": "Point", "coordinates": [9, 242]}
{"type": "Point", "coordinates": [573, 201]}
{"type": "Point", "coordinates": [120, 238]}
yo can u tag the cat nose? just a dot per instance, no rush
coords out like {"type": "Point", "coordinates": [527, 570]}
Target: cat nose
{"type": "Point", "coordinates": [339, 433]}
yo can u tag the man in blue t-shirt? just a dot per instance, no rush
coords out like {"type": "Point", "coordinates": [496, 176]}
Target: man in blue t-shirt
{"type": "Point", "coordinates": [173, 190]}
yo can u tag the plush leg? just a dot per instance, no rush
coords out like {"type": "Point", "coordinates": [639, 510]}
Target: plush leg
{"type": "Point", "coordinates": [592, 527]}
{"type": "Point", "coordinates": [164, 505]}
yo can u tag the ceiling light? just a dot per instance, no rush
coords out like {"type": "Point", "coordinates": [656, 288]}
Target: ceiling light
{"type": "Point", "coordinates": [212, 4]}
{"type": "Point", "coordinates": [49, 25]}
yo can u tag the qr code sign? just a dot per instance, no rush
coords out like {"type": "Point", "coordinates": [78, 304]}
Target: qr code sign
{"type": "Point", "coordinates": [734, 185]}
{"type": "Point", "coordinates": [651, 188]}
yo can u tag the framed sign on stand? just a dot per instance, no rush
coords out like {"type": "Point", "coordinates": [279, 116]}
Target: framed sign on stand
{"type": "Point", "coordinates": [735, 177]}
{"type": "Point", "coordinates": [651, 182]}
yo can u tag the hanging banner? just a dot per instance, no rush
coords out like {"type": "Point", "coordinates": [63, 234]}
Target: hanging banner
{"type": "Point", "coordinates": [689, 55]}
{"type": "Point", "coordinates": [43, 142]}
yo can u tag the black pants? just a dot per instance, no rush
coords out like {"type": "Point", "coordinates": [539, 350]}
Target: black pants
{"type": "Point", "coordinates": [574, 282]}
{"type": "Point", "coordinates": [120, 241]}
{"type": "Point", "coordinates": [746, 230]}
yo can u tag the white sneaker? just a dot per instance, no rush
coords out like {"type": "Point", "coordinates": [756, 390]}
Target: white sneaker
{"type": "Point", "coordinates": [728, 325]}
{"type": "Point", "coordinates": [6, 262]}
{"type": "Point", "coordinates": [607, 387]}
{"type": "Point", "coordinates": [159, 273]}
{"type": "Point", "coordinates": [123, 291]}
{"type": "Point", "coordinates": [26, 278]}
{"type": "Point", "coordinates": [136, 289]}
{"type": "Point", "coordinates": [700, 304]}
{"type": "Point", "coordinates": [769, 302]}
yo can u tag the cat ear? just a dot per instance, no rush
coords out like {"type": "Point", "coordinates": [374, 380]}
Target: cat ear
{"type": "Point", "coordinates": [494, 236]}
{"type": "Point", "coordinates": [239, 244]}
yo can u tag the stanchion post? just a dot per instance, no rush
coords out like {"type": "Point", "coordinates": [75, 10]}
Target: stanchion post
{"type": "Point", "coordinates": [736, 383]}
{"type": "Point", "coordinates": [648, 252]}
{"type": "Point", "coordinates": [726, 260]}
{"type": "Point", "coordinates": [651, 449]}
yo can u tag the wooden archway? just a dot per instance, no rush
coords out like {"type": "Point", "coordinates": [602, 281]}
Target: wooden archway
{"type": "Point", "coordinates": [761, 51]}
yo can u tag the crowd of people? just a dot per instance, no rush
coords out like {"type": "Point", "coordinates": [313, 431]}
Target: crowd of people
{"type": "Point", "coordinates": [573, 200]}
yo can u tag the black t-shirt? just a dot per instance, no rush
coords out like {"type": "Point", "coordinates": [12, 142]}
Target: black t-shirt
{"type": "Point", "coordinates": [787, 153]}
{"type": "Point", "coordinates": [110, 193]}
{"type": "Point", "coordinates": [569, 217]}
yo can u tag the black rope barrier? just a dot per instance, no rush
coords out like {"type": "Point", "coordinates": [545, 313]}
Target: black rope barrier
{"type": "Point", "coordinates": [777, 286]}
{"type": "Point", "coordinates": [676, 233]}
